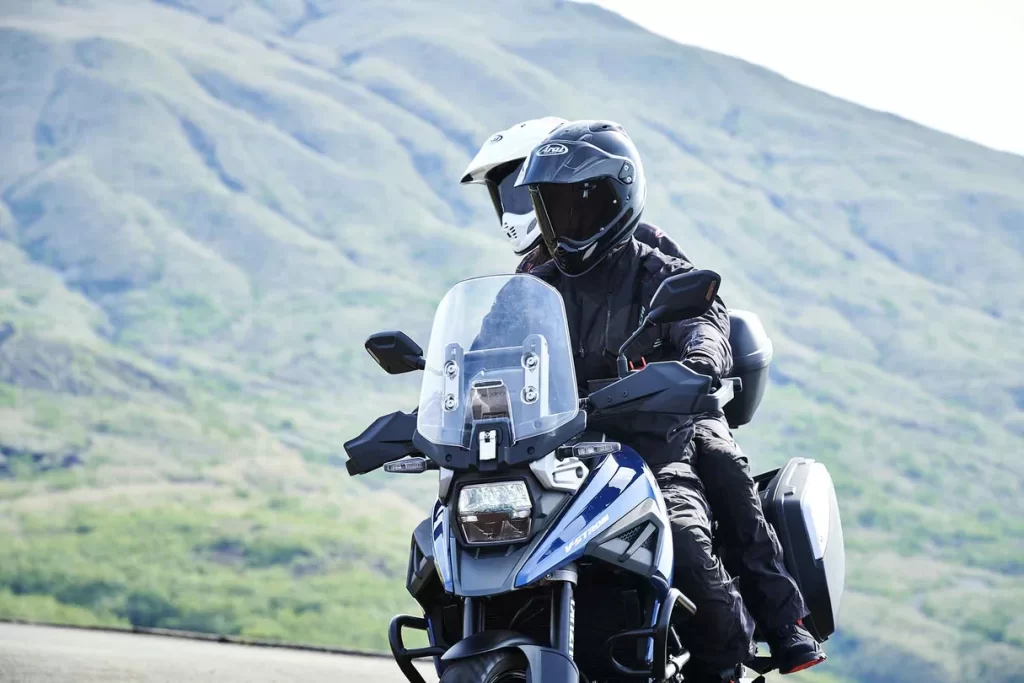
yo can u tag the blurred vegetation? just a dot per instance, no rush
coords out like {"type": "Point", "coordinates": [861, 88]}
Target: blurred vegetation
{"type": "Point", "coordinates": [206, 207]}
{"type": "Point", "coordinates": [269, 567]}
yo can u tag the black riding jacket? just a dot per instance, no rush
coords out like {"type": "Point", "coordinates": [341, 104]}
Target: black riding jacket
{"type": "Point", "coordinates": [605, 306]}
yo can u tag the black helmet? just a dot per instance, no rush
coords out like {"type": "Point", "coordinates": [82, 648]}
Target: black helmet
{"type": "Point", "coordinates": [588, 191]}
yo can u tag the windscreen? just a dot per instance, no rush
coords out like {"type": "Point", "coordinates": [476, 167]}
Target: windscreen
{"type": "Point", "coordinates": [499, 348]}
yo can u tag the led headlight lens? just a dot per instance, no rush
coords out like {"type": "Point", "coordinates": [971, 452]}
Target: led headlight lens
{"type": "Point", "coordinates": [499, 512]}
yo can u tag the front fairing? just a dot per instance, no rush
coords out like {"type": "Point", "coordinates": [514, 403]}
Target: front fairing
{"type": "Point", "coordinates": [443, 543]}
{"type": "Point", "coordinates": [619, 486]}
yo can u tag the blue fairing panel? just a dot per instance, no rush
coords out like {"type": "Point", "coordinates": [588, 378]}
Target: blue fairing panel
{"type": "Point", "coordinates": [618, 485]}
{"type": "Point", "coordinates": [441, 538]}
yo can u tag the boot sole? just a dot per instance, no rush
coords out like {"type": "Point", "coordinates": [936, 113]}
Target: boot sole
{"type": "Point", "coordinates": [803, 666]}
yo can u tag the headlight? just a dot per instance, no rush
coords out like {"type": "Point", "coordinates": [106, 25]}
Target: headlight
{"type": "Point", "coordinates": [495, 513]}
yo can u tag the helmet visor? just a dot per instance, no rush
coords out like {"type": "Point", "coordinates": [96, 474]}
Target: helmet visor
{"type": "Point", "coordinates": [576, 211]}
{"type": "Point", "coordinates": [514, 199]}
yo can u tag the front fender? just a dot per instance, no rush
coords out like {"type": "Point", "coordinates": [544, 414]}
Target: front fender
{"type": "Point", "coordinates": [543, 664]}
{"type": "Point", "coordinates": [546, 665]}
{"type": "Point", "coordinates": [484, 642]}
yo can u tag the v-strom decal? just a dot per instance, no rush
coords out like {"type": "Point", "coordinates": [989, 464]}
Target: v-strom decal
{"type": "Point", "coordinates": [587, 533]}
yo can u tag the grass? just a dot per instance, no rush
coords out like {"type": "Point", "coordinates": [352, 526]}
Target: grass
{"type": "Point", "coordinates": [211, 559]}
{"type": "Point", "coordinates": [8, 396]}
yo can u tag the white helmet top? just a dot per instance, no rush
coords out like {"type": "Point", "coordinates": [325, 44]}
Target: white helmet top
{"type": "Point", "coordinates": [503, 154]}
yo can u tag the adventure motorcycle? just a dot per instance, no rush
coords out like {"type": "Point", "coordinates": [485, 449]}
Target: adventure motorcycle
{"type": "Point", "coordinates": [548, 557]}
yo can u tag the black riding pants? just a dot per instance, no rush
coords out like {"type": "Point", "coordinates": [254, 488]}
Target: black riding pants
{"type": "Point", "coordinates": [750, 544]}
{"type": "Point", "coordinates": [720, 634]}
{"type": "Point", "coordinates": [714, 476]}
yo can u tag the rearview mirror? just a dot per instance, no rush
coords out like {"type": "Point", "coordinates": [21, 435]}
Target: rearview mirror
{"type": "Point", "coordinates": [684, 296]}
{"type": "Point", "coordinates": [395, 352]}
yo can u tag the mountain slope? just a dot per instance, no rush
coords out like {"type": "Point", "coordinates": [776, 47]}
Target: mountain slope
{"type": "Point", "coordinates": [206, 206]}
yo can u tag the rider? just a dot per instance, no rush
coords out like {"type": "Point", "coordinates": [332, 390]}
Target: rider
{"type": "Point", "coordinates": [590, 219]}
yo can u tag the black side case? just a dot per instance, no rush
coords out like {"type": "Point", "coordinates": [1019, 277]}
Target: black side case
{"type": "Point", "coordinates": [751, 356]}
{"type": "Point", "coordinates": [800, 503]}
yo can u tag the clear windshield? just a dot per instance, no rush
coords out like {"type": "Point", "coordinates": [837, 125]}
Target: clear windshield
{"type": "Point", "coordinates": [499, 348]}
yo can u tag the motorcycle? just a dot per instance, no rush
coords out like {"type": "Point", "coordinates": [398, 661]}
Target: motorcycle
{"type": "Point", "coordinates": [548, 557]}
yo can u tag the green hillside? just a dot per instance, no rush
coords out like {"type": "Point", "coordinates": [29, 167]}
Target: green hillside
{"type": "Point", "coordinates": [205, 206]}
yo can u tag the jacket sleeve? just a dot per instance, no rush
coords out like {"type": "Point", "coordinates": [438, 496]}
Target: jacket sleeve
{"type": "Point", "coordinates": [703, 342]}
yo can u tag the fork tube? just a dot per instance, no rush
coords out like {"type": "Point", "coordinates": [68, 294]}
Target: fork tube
{"type": "Point", "coordinates": [566, 618]}
{"type": "Point", "coordinates": [563, 608]}
{"type": "Point", "coordinates": [468, 617]}
{"type": "Point", "coordinates": [555, 616]}
{"type": "Point", "coordinates": [481, 615]}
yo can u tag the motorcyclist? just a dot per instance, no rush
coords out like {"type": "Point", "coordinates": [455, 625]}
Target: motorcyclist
{"type": "Point", "coordinates": [587, 189]}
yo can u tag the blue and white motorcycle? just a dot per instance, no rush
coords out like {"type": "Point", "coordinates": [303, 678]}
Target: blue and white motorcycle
{"type": "Point", "coordinates": [548, 557]}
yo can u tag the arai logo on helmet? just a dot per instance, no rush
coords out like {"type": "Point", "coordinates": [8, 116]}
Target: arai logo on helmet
{"type": "Point", "coordinates": [496, 137]}
{"type": "Point", "coordinates": [552, 149]}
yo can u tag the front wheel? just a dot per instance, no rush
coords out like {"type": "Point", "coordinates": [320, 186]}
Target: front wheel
{"type": "Point", "coordinates": [502, 666]}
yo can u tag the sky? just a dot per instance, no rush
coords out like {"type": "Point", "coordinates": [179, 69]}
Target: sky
{"type": "Point", "coordinates": [953, 65]}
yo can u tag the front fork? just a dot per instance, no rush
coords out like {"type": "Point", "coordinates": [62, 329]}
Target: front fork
{"type": "Point", "coordinates": [563, 612]}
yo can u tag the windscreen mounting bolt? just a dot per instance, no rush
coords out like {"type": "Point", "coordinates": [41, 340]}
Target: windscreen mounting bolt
{"type": "Point", "coordinates": [451, 369]}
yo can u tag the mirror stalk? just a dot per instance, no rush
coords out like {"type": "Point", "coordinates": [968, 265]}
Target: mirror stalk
{"type": "Point", "coordinates": [621, 361]}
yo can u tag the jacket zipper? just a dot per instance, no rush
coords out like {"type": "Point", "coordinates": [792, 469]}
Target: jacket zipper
{"type": "Point", "coordinates": [607, 323]}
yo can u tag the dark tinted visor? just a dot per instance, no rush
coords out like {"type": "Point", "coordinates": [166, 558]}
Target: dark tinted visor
{"type": "Point", "coordinates": [514, 199]}
{"type": "Point", "coordinates": [578, 211]}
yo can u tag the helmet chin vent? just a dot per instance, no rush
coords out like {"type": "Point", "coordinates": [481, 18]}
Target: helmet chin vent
{"type": "Point", "coordinates": [511, 232]}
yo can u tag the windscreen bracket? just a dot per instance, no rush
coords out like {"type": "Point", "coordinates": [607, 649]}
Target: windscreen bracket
{"type": "Point", "coordinates": [488, 442]}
